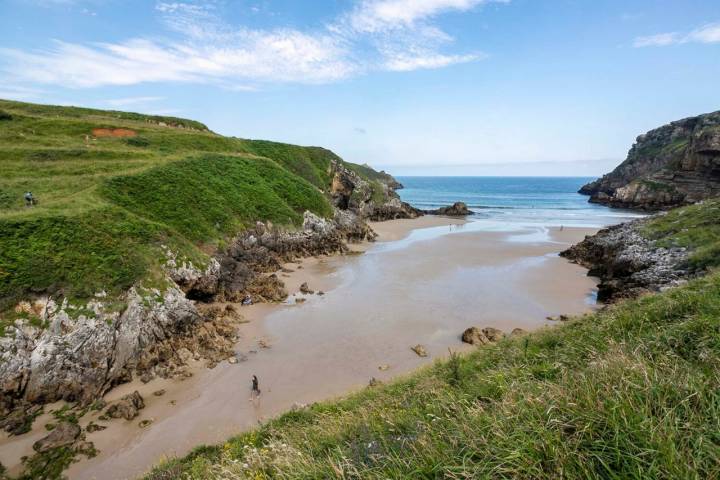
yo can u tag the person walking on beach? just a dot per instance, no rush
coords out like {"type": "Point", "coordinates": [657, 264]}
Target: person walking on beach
{"type": "Point", "coordinates": [255, 393]}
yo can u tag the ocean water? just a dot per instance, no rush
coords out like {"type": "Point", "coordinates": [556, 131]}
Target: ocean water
{"type": "Point", "coordinates": [501, 202]}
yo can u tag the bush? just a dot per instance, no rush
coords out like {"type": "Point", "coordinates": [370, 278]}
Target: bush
{"type": "Point", "coordinates": [5, 115]}
{"type": "Point", "coordinates": [137, 142]}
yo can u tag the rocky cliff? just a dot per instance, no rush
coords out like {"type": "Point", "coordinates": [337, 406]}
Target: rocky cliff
{"type": "Point", "coordinates": [673, 165]}
{"type": "Point", "coordinates": [627, 263]}
{"type": "Point", "coordinates": [652, 253]}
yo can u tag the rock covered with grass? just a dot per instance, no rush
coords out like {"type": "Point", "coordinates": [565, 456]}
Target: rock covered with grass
{"type": "Point", "coordinates": [628, 263]}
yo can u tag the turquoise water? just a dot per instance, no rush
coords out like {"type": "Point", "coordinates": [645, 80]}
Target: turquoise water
{"type": "Point", "coordinates": [516, 201]}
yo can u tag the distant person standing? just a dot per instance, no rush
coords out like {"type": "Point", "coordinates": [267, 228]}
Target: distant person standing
{"type": "Point", "coordinates": [255, 393]}
{"type": "Point", "coordinates": [29, 199]}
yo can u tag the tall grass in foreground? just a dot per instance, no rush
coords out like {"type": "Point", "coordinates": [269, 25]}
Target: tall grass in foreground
{"type": "Point", "coordinates": [630, 392]}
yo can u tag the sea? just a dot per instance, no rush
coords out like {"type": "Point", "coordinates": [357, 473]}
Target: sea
{"type": "Point", "coordinates": [503, 202]}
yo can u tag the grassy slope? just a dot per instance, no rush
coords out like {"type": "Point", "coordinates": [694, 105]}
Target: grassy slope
{"type": "Point", "coordinates": [696, 227]}
{"type": "Point", "coordinates": [632, 392]}
{"type": "Point", "coordinates": [107, 204]}
{"type": "Point", "coordinates": [629, 392]}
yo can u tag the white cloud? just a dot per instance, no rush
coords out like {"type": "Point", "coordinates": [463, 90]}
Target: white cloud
{"type": "Point", "coordinates": [408, 62]}
{"type": "Point", "coordinates": [658, 40]}
{"type": "Point", "coordinates": [379, 15]}
{"type": "Point", "coordinates": [377, 34]}
{"type": "Point", "coordinates": [709, 33]}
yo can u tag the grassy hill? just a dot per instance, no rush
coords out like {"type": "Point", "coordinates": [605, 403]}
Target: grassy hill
{"type": "Point", "coordinates": [630, 392]}
{"type": "Point", "coordinates": [113, 186]}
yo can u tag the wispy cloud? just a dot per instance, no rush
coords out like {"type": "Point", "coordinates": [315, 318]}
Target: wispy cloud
{"type": "Point", "coordinates": [382, 15]}
{"type": "Point", "coordinates": [394, 35]}
{"type": "Point", "coordinates": [709, 33]}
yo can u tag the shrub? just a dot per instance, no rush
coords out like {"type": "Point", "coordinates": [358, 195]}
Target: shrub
{"type": "Point", "coordinates": [137, 142]}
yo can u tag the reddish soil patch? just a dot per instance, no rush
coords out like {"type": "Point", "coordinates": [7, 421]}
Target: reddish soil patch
{"type": "Point", "coordinates": [113, 132]}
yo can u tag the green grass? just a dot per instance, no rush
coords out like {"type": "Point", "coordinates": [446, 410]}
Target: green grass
{"type": "Point", "coordinates": [696, 227]}
{"type": "Point", "coordinates": [212, 196]}
{"type": "Point", "coordinates": [106, 204]}
{"type": "Point", "coordinates": [632, 392]}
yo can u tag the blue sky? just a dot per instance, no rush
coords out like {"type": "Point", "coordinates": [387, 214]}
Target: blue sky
{"type": "Point", "coordinates": [428, 87]}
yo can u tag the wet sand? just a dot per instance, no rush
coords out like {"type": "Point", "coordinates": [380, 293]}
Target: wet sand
{"type": "Point", "coordinates": [413, 286]}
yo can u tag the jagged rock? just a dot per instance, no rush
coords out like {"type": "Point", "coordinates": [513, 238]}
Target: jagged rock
{"type": "Point", "coordinates": [627, 263]}
{"type": "Point", "coordinates": [94, 427]}
{"type": "Point", "coordinates": [419, 350]}
{"type": "Point", "coordinates": [673, 165]}
{"type": "Point", "coordinates": [20, 421]}
{"type": "Point", "coordinates": [457, 209]}
{"type": "Point", "coordinates": [518, 332]}
{"type": "Point", "coordinates": [493, 334]}
{"type": "Point", "coordinates": [382, 368]}
{"type": "Point", "coordinates": [128, 407]}
{"type": "Point", "coordinates": [159, 393]}
{"type": "Point", "coordinates": [374, 382]}
{"type": "Point", "coordinates": [305, 289]}
{"type": "Point", "coordinates": [232, 360]}
{"type": "Point", "coordinates": [474, 336]}
{"type": "Point", "coordinates": [64, 434]}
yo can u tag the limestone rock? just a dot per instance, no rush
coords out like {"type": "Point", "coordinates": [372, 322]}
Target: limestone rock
{"type": "Point", "coordinates": [128, 407]}
{"type": "Point", "coordinates": [493, 334]}
{"type": "Point", "coordinates": [64, 434]}
{"type": "Point", "coordinates": [673, 165]}
{"type": "Point", "coordinates": [457, 209]}
{"type": "Point", "coordinates": [474, 336]}
{"type": "Point", "coordinates": [419, 350]}
{"type": "Point", "coordinates": [627, 263]}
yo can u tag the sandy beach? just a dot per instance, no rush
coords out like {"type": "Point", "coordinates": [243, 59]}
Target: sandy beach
{"type": "Point", "coordinates": [424, 281]}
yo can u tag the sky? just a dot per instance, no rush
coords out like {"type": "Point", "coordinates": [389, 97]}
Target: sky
{"type": "Point", "coordinates": [415, 87]}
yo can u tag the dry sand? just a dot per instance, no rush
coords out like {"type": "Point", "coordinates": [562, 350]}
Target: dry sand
{"type": "Point", "coordinates": [413, 286]}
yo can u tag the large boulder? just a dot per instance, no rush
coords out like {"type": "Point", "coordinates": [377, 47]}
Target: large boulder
{"type": "Point", "coordinates": [128, 407]}
{"type": "Point", "coordinates": [457, 209]}
{"type": "Point", "coordinates": [493, 334]}
{"type": "Point", "coordinates": [474, 336]}
{"type": "Point", "coordinates": [64, 434]}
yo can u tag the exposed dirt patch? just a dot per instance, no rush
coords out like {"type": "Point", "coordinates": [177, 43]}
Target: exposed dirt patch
{"type": "Point", "coordinates": [113, 132]}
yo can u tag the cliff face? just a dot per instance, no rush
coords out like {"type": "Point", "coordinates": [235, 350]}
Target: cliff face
{"type": "Point", "coordinates": [676, 164]}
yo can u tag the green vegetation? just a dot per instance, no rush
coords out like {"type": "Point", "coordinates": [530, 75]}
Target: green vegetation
{"type": "Point", "coordinates": [696, 227]}
{"type": "Point", "coordinates": [631, 392]}
{"type": "Point", "coordinates": [108, 200]}
{"type": "Point", "coordinates": [657, 186]}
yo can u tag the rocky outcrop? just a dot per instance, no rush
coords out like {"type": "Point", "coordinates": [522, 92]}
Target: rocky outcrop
{"type": "Point", "coordinates": [128, 407]}
{"type": "Point", "coordinates": [64, 434]}
{"type": "Point", "coordinates": [475, 336]}
{"type": "Point", "coordinates": [245, 267]}
{"type": "Point", "coordinates": [457, 209]}
{"type": "Point", "coordinates": [627, 263]}
{"type": "Point", "coordinates": [79, 353]}
{"type": "Point", "coordinates": [374, 200]}
{"type": "Point", "coordinates": [673, 165]}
